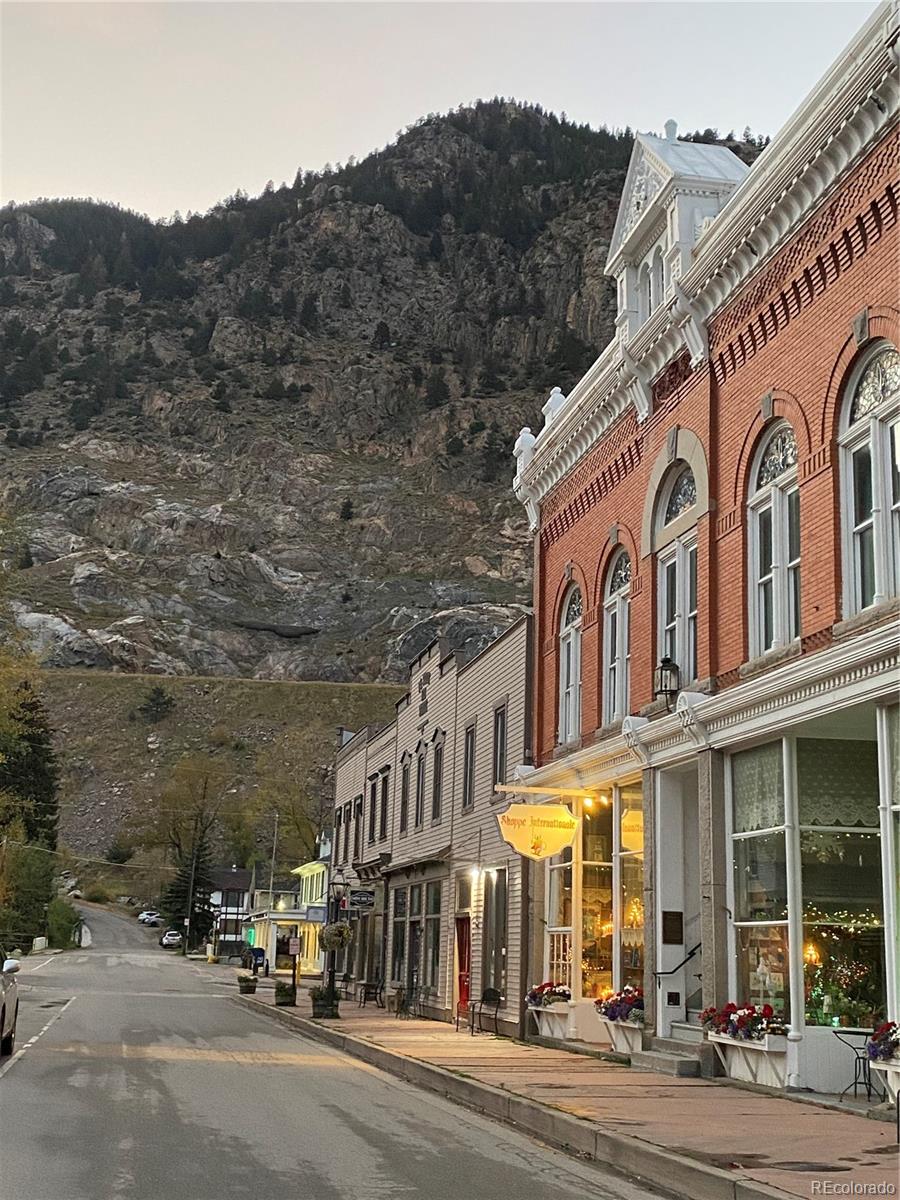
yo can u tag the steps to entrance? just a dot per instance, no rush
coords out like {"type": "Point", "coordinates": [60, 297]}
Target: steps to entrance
{"type": "Point", "coordinates": [665, 1061]}
{"type": "Point", "coordinates": [686, 1032]}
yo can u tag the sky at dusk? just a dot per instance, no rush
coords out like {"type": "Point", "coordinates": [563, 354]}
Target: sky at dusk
{"type": "Point", "coordinates": [172, 105]}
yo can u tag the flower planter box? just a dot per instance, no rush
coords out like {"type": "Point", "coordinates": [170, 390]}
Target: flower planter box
{"type": "Point", "coordinates": [286, 998]}
{"type": "Point", "coordinates": [552, 1020]}
{"type": "Point", "coordinates": [763, 1062]}
{"type": "Point", "coordinates": [323, 1008]}
{"type": "Point", "coordinates": [247, 989]}
{"type": "Point", "coordinates": [889, 1068]}
{"type": "Point", "coordinates": [625, 1037]}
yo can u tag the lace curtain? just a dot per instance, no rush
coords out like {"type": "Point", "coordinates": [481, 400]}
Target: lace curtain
{"type": "Point", "coordinates": [837, 782]}
{"type": "Point", "coordinates": [757, 780]}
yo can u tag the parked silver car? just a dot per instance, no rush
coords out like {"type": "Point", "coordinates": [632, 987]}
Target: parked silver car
{"type": "Point", "coordinates": [9, 1006]}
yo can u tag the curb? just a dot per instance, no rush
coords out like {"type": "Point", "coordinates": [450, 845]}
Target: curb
{"type": "Point", "coordinates": [642, 1160]}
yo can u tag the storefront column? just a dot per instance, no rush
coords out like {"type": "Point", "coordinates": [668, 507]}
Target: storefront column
{"type": "Point", "coordinates": [889, 865]}
{"type": "Point", "coordinates": [714, 864]}
{"type": "Point", "coordinates": [651, 991]}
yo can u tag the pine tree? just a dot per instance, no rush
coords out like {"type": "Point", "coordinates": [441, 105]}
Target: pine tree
{"type": "Point", "coordinates": [382, 337]}
{"type": "Point", "coordinates": [29, 770]}
{"type": "Point", "coordinates": [156, 705]}
{"type": "Point", "coordinates": [188, 895]}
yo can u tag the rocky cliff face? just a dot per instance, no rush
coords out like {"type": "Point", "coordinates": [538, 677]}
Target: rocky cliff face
{"type": "Point", "coordinates": [275, 440]}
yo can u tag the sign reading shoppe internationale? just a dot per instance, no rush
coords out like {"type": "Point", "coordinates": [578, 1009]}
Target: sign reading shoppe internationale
{"type": "Point", "coordinates": [537, 830]}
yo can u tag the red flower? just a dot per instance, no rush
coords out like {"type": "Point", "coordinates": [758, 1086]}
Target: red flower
{"type": "Point", "coordinates": [768, 1011]}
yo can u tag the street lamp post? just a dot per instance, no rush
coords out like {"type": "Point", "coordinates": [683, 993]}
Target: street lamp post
{"type": "Point", "coordinates": [337, 888]}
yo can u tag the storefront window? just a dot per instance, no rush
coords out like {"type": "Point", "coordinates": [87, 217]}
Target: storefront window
{"type": "Point", "coordinates": [631, 887]}
{"type": "Point", "coordinates": [398, 935]}
{"type": "Point", "coordinates": [843, 919]}
{"type": "Point", "coordinates": [760, 876]}
{"type": "Point", "coordinates": [597, 899]}
{"type": "Point", "coordinates": [494, 945]}
{"type": "Point", "coordinates": [559, 909]}
{"type": "Point", "coordinates": [559, 918]}
{"type": "Point", "coordinates": [763, 975]}
{"type": "Point", "coordinates": [432, 934]}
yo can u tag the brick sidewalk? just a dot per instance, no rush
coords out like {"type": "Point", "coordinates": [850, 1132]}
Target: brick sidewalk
{"type": "Point", "coordinates": [771, 1141]}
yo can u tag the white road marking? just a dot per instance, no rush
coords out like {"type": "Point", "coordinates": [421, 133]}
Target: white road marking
{"type": "Point", "coordinates": [18, 1054]}
{"type": "Point", "coordinates": [38, 967]}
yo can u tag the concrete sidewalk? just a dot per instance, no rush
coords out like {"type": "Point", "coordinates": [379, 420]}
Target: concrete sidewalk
{"type": "Point", "coordinates": [702, 1139]}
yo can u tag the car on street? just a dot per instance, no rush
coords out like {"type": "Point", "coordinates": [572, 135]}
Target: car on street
{"type": "Point", "coordinates": [170, 940]}
{"type": "Point", "coordinates": [148, 915]}
{"type": "Point", "coordinates": [9, 1004]}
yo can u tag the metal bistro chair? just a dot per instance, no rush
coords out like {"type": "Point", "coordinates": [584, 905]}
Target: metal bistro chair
{"type": "Point", "coordinates": [369, 990]}
{"type": "Point", "coordinates": [490, 1000]}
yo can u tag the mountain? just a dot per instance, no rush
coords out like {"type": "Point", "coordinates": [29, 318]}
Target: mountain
{"type": "Point", "coordinates": [274, 440]}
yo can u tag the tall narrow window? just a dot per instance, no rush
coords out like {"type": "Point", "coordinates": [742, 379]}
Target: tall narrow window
{"type": "Point", "coordinates": [677, 574]}
{"type": "Point", "coordinates": [437, 780]}
{"type": "Point", "coordinates": [494, 925]}
{"type": "Point", "coordinates": [774, 593]}
{"type": "Point", "coordinates": [338, 824]}
{"type": "Point", "coordinates": [468, 791]}
{"type": "Point", "coordinates": [357, 828]}
{"type": "Point", "coordinates": [570, 668]}
{"type": "Point", "coordinates": [420, 790]}
{"type": "Point", "coordinates": [870, 469]}
{"type": "Point", "coordinates": [616, 639]}
{"type": "Point", "coordinates": [498, 774]}
{"type": "Point", "coordinates": [373, 807]}
{"type": "Point", "coordinates": [347, 818]}
{"type": "Point", "coordinates": [404, 796]}
{"type": "Point", "coordinates": [383, 806]}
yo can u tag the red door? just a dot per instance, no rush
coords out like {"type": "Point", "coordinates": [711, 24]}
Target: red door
{"type": "Point", "coordinates": [463, 959]}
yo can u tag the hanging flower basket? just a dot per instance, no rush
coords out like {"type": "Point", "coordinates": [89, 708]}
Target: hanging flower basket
{"type": "Point", "coordinates": [336, 936]}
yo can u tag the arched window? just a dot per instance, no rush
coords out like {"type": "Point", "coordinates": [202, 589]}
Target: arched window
{"type": "Point", "coordinates": [616, 639]}
{"type": "Point", "coordinates": [570, 667]}
{"type": "Point", "coordinates": [774, 504]}
{"type": "Point", "coordinates": [870, 472]}
{"type": "Point", "coordinates": [677, 570]}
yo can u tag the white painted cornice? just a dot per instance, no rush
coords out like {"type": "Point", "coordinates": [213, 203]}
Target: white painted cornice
{"type": "Point", "coordinates": [845, 114]}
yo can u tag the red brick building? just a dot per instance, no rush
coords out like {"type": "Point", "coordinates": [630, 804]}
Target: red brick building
{"type": "Point", "coordinates": [716, 509]}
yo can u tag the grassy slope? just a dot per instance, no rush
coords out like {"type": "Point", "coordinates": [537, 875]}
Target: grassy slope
{"type": "Point", "coordinates": [109, 769]}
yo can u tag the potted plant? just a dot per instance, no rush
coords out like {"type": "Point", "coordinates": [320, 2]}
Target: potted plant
{"type": "Point", "coordinates": [285, 994]}
{"type": "Point", "coordinates": [623, 1014]}
{"type": "Point", "coordinates": [247, 985]}
{"type": "Point", "coordinates": [550, 1002]}
{"type": "Point", "coordinates": [750, 1042]}
{"type": "Point", "coordinates": [883, 1049]}
{"type": "Point", "coordinates": [322, 1005]}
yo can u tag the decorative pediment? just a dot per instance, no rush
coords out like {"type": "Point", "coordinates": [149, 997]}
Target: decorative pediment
{"type": "Point", "coordinates": [643, 184]}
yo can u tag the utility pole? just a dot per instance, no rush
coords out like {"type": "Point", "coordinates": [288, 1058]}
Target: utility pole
{"type": "Point", "coordinates": [272, 868]}
{"type": "Point", "coordinates": [190, 896]}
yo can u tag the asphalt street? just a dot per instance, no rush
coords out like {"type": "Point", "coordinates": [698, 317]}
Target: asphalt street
{"type": "Point", "coordinates": [145, 1081]}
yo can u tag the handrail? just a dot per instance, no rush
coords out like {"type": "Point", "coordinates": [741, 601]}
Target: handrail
{"type": "Point", "coordinates": [657, 975]}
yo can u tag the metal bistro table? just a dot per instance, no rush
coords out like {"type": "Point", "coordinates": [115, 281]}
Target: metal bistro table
{"type": "Point", "coordinates": [862, 1075]}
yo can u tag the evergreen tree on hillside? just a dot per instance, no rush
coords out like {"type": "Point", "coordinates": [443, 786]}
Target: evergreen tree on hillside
{"type": "Point", "coordinates": [28, 769]}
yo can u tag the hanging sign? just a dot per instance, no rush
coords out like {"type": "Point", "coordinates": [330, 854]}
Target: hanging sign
{"type": "Point", "coordinates": [537, 830]}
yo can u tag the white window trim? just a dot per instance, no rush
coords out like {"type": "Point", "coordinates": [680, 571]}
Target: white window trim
{"type": "Point", "coordinates": [774, 495]}
{"type": "Point", "coordinates": [679, 552]}
{"type": "Point", "coordinates": [876, 430]}
{"type": "Point", "coordinates": [616, 657]}
{"type": "Point", "coordinates": [570, 689]}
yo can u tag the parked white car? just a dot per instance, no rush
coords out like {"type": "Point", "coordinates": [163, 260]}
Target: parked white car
{"type": "Point", "coordinates": [9, 1006]}
{"type": "Point", "coordinates": [170, 940]}
{"type": "Point", "coordinates": [149, 914]}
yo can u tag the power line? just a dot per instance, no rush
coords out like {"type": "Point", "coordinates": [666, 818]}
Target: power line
{"type": "Point", "coordinates": [83, 858]}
